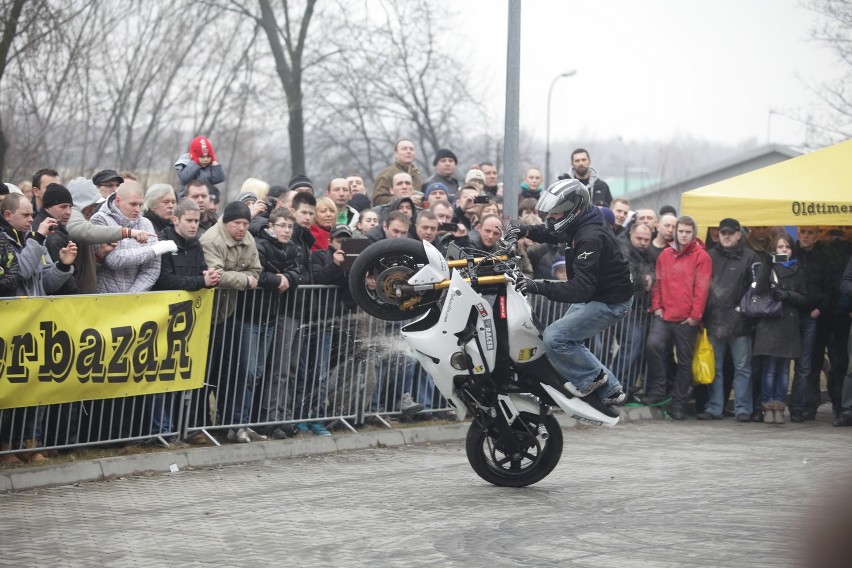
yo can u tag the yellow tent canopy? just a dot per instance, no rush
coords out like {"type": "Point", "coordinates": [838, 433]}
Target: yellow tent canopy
{"type": "Point", "coordinates": [812, 189]}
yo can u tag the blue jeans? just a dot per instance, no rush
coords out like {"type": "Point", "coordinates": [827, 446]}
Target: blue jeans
{"type": "Point", "coordinates": [255, 339]}
{"type": "Point", "coordinates": [629, 357]}
{"type": "Point", "coordinates": [804, 364]}
{"type": "Point", "coordinates": [776, 374]}
{"type": "Point", "coordinates": [399, 370]}
{"type": "Point", "coordinates": [740, 348]}
{"type": "Point", "coordinates": [563, 342]}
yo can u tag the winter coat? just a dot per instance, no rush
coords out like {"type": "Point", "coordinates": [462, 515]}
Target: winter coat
{"type": "Point", "coordinates": [642, 265]}
{"type": "Point", "coordinates": [55, 241]}
{"type": "Point", "coordinates": [381, 192]}
{"type": "Point", "coordinates": [10, 270]}
{"type": "Point", "coordinates": [304, 241]}
{"type": "Point", "coordinates": [780, 337]}
{"type": "Point", "coordinates": [818, 283]}
{"type": "Point", "coordinates": [182, 269]}
{"type": "Point", "coordinates": [131, 267]}
{"type": "Point", "coordinates": [321, 237]}
{"type": "Point", "coordinates": [683, 282]}
{"type": "Point", "coordinates": [158, 222]}
{"type": "Point", "coordinates": [598, 188]}
{"type": "Point", "coordinates": [187, 170]}
{"type": "Point", "coordinates": [265, 303]}
{"type": "Point", "coordinates": [38, 275]}
{"type": "Point", "coordinates": [597, 269]}
{"type": "Point", "coordinates": [234, 260]}
{"type": "Point", "coordinates": [732, 276]}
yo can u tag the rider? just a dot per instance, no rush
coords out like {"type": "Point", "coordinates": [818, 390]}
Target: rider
{"type": "Point", "coordinates": [598, 286]}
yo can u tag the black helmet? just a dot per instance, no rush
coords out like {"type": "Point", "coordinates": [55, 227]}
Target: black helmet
{"type": "Point", "coordinates": [567, 196]}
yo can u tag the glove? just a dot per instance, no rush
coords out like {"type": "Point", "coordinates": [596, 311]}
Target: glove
{"type": "Point", "coordinates": [564, 176]}
{"type": "Point", "coordinates": [780, 295]}
{"type": "Point", "coordinates": [529, 286]}
{"type": "Point", "coordinates": [513, 232]}
{"type": "Point", "coordinates": [162, 247]}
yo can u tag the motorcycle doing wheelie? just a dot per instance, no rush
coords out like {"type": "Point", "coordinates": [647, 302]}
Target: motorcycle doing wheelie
{"type": "Point", "coordinates": [476, 336]}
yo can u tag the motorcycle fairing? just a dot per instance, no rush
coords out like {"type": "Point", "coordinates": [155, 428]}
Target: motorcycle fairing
{"type": "Point", "coordinates": [436, 270]}
{"type": "Point", "coordinates": [434, 346]}
{"type": "Point", "coordinates": [525, 343]}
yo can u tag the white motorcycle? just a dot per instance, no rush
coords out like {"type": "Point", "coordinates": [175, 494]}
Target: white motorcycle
{"type": "Point", "coordinates": [486, 356]}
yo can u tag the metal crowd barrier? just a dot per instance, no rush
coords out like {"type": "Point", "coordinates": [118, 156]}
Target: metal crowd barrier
{"type": "Point", "coordinates": [278, 360]}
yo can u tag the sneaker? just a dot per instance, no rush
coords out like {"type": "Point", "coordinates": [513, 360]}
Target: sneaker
{"type": "Point", "coordinates": [318, 429]}
{"type": "Point", "coordinates": [254, 436]}
{"type": "Point", "coordinates": [743, 417]}
{"type": "Point", "coordinates": [302, 428]}
{"type": "Point", "coordinates": [600, 381]}
{"type": "Point", "coordinates": [678, 414]}
{"type": "Point", "coordinates": [407, 404]}
{"type": "Point", "coordinates": [240, 436]}
{"type": "Point", "coordinates": [616, 398]}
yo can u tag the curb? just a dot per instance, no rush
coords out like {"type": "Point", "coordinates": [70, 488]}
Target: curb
{"type": "Point", "coordinates": [231, 454]}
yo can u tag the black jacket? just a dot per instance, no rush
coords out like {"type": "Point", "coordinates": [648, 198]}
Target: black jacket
{"type": "Point", "coordinates": [642, 265]}
{"type": "Point", "coordinates": [597, 269]}
{"type": "Point", "coordinates": [158, 222]}
{"type": "Point", "coordinates": [266, 302]}
{"type": "Point", "coordinates": [780, 337]}
{"type": "Point", "coordinates": [182, 269]}
{"type": "Point", "coordinates": [819, 284]}
{"type": "Point", "coordinates": [9, 269]}
{"type": "Point", "coordinates": [732, 275]}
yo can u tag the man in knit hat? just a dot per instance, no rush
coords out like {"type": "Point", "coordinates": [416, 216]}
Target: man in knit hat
{"type": "Point", "coordinates": [56, 203]}
{"type": "Point", "coordinates": [403, 161]}
{"type": "Point", "coordinates": [445, 163]}
{"type": "Point", "coordinates": [230, 250]}
{"type": "Point", "coordinates": [131, 267]}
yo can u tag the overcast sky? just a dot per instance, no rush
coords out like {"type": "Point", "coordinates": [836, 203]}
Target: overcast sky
{"type": "Point", "coordinates": [653, 69]}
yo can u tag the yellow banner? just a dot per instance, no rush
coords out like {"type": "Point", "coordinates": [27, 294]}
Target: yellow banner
{"type": "Point", "coordinates": [71, 348]}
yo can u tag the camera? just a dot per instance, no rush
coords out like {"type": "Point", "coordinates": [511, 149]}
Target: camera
{"type": "Point", "coordinates": [271, 205]}
{"type": "Point", "coordinates": [482, 199]}
{"type": "Point", "coordinates": [780, 257]}
{"type": "Point", "coordinates": [448, 227]}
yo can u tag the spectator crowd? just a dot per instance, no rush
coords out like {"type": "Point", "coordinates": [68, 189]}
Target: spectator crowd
{"type": "Point", "coordinates": [109, 234]}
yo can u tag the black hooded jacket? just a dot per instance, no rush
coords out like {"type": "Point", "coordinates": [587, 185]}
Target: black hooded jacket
{"type": "Point", "coordinates": [597, 269]}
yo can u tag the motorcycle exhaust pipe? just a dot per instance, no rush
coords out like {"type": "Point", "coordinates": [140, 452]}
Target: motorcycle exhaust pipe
{"type": "Point", "coordinates": [542, 432]}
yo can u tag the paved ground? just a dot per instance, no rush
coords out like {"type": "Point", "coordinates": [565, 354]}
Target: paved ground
{"type": "Point", "coordinates": [651, 493]}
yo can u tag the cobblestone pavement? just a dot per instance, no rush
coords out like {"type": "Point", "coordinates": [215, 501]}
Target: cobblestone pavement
{"type": "Point", "coordinates": [648, 494]}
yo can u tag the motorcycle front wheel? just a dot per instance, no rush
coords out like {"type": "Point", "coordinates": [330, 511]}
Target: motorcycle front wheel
{"type": "Point", "coordinates": [390, 263]}
{"type": "Point", "coordinates": [490, 461]}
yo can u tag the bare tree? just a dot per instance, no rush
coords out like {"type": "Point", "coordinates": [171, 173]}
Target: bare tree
{"type": "Point", "coordinates": [835, 32]}
{"type": "Point", "coordinates": [394, 83]}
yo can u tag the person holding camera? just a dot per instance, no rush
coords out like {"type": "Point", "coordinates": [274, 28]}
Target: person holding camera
{"type": "Point", "coordinates": [778, 339]}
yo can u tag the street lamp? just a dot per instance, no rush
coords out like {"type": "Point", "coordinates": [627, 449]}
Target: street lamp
{"type": "Point", "coordinates": [569, 73]}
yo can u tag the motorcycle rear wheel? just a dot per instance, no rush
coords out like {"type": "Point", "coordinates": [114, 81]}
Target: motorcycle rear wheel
{"type": "Point", "coordinates": [494, 466]}
{"type": "Point", "coordinates": [391, 262]}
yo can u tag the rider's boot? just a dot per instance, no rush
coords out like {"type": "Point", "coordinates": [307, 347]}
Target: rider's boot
{"type": "Point", "coordinates": [616, 398]}
{"type": "Point", "coordinates": [599, 381]}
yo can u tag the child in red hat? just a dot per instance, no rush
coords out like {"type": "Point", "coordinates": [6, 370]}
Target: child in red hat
{"type": "Point", "coordinates": [199, 163]}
